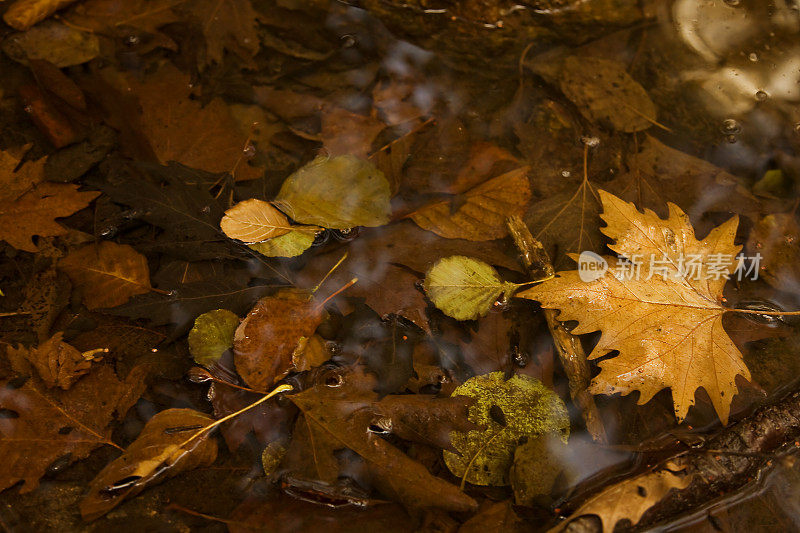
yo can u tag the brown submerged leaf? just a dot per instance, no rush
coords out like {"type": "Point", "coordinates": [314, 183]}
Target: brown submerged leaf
{"type": "Point", "coordinates": [34, 213]}
{"type": "Point", "coordinates": [107, 274]}
{"type": "Point", "coordinates": [180, 129]}
{"type": "Point", "coordinates": [341, 411]}
{"type": "Point", "coordinates": [667, 328]}
{"type": "Point", "coordinates": [480, 213]}
{"type": "Point", "coordinates": [159, 452]}
{"type": "Point", "coordinates": [58, 363]}
{"type": "Point", "coordinates": [629, 499]}
{"type": "Point", "coordinates": [270, 333]}
{"type": "Point", "coordinates": [51, 424]}
{"type": "Point", "coordinates": [15, 181]}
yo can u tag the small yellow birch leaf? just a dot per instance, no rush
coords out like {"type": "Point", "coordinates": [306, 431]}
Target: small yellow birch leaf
{"type": "Point", "coordinates": [664, 315]}
{"type": "Point", "coordinates": [465, 288]}
{"type": "Point", "coordinates": [254, 221]}
{"type": "Point", "coordinates": [290, 244]}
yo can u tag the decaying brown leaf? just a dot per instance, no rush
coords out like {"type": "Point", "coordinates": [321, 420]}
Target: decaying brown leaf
{"type": "Point", "coordinates": [629, 499]}
{"type": "Point", "coordinates": [180, 129]}
{"type": "Point", "coordinates": [480, 213]}
{"type": "Point", "coordinates": [107, 274]}
{"type": "Point", "coordinates": [341, 411]}
{"type": "Point", "coordinates": [603, 91]}
{"type": "Point", "coordinates": [34, 213]}
{"type": "Point", "coordinates": [58, 363]}
{"type": "Point", "coordinates": [16, 179]}
{"type": "Point", "coordinates": [666, 321]}
{"type": "Point", "coordinates": [159, 452]}
{"type": "Point", "coordinates": [268, 336]}
{"type": "Point", "coordinates": [52, 424]}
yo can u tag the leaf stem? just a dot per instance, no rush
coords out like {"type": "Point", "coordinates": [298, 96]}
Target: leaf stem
{"type": "Point", "coordinates": [759, 312]}
{"type": "Point", "coordinates": [475, 456]}
{"type": "Point", "coordinates": [333, 268]}
{"type": "Point", "coordinates": [277, 390]}
{"type": "Point", "coordinates": [551, 276]}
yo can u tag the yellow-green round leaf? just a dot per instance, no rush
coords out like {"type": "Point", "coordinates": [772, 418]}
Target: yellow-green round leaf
{"type": "Point", "coordinates": [336, 192]}
{"type": "Point", "coordinates": [464, 288]}
{"type": "Point", "coordinates": [211, 335]}
{"type": "Point", "coordinates": [527, 407]}
{"type": "Point", "coordinates": [291, 244]}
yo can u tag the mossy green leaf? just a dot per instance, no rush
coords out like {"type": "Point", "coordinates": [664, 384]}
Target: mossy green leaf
{"type": "Point", "coordinates": [291, 244]}
{"type": "Point", "coordinates": [465, 288]}
{"type": "Point", "coordinates": [338, 192]}
{"type": "Point", "coordinates": [211, 335]}
{"type": "Point", "coordinates": [528, 408]}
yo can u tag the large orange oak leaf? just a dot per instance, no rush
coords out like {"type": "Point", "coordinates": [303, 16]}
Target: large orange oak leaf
{"type": "Point", "coordinates": [665, 321]}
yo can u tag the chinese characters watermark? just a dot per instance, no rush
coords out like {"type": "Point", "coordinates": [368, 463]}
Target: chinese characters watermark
{"type": "Point", "coordinates": [695, 267]}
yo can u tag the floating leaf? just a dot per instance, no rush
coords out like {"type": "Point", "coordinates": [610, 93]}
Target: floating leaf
{"type": "Point", "coordinates": [34, 213]}
{"type": "Point", "coordinates": [253, 221]}
{"type": "Point", "coordinates": [212, 335]}
{"type": "Point", "coordinates": [480, 213]}
{"type": "Point", "coordinates": [665, 323]}
{"type": "Point", "coordinates": [338, 192]}
{"type": "Point", "coordinates": [537, 464]}
{"type": "Point", "coordinates": [465, 288]}
{"type": "Point", "coordinates": [529, 409]}
{"type": "Point", "coordinates": [290, 244]}
{"type": "Point", "coordinates": [107, 274]}
{"type": "Point", "coordinates": [162, 450]}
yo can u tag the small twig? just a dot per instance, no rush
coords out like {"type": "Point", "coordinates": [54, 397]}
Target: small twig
{"type": "Point", "coordinates": [568, 346]}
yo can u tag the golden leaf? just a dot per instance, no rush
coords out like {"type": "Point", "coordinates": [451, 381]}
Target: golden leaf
{"type": "Point", "coordinates": [666, 322]}
{"type": "Point", "coordinates": [629, 499]}
{"type": "Point", "coordinates": [253, 221]}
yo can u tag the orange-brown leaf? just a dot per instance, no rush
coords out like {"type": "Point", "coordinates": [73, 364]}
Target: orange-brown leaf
{"type": "Point", "coordinates": [667, 327]}
{"type": "Point", "coordinates": [107, 274]}
{"type": "Point", "coordinates": [58, 363]}
{"type": "Point", "coordinates": [268, 336]}
{"type": "Point", "coordinates": [34, 213]}
{"type": "Point", "coordinates": [480, 213]}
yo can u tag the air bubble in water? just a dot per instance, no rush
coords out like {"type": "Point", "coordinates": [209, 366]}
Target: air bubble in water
{"type": "Point", "coordinates": [797, 128]}
{"type": "Point", "coordinates": [733, 3]}
{"type": "Point", "coordinates": [249, 150]}
{"type": "Point", "coordinates": [753, 57]}
{"type": "Point", "coordinates": [731, 139]}
{"type": "Point", "coordinates": [566, 173]}
{"type": "Point", "coordinates": [761, 96]}
{"type": "Point", "coordinates": [731, 127]}
{"type": "Point", "coordinates": [348, 40]}
{"type": "Point", "coordinates": [591, 142]}
{"type": "Point", "coordinates": [131, 40]}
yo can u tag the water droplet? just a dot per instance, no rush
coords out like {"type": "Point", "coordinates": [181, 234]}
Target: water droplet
{"type": "Point", "coordinates": [131, 40]}
{"type": "Point", "coordinates": [348, 40]}
{"type": "Point", "coordinates": [730, 127]}
{"type": "Point", "coordinates": [761, 96]}
{"type": "Point", "coordinates": [753, 57]}
{"type": "Point", "coordinates": [591, 142]}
